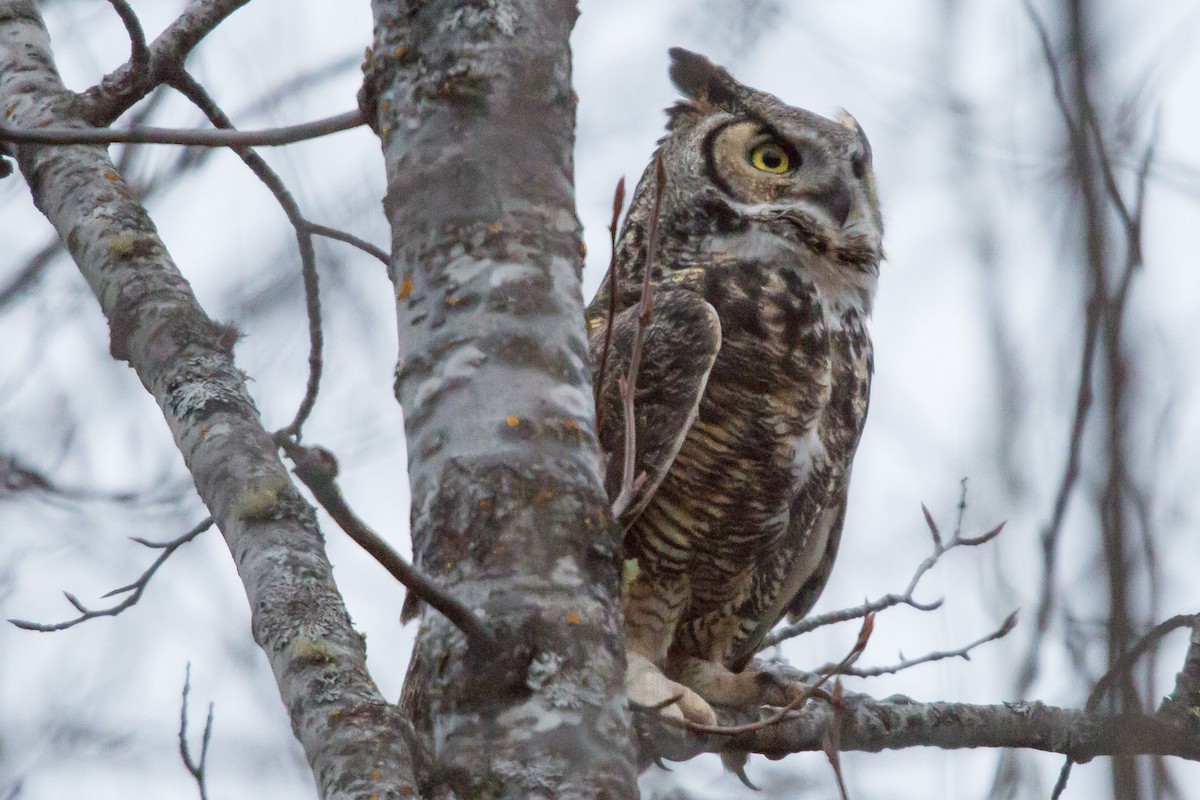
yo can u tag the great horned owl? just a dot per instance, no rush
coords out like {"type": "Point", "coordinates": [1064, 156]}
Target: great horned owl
{"type": "Point", "coordinates": [753, 384]}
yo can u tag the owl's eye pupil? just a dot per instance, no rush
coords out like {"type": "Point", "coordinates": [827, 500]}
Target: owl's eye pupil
{"type": "Point", "coordinates": [770, 157]}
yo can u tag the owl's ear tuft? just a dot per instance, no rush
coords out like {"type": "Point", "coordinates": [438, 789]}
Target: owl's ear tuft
{"type": "Point", "coordinates": [702, 80]}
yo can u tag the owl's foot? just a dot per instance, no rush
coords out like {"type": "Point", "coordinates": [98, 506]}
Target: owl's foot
{"type": "Point", "coordinates": [646, 685]}
{"type": "Point", "coordinates": [748, 688]}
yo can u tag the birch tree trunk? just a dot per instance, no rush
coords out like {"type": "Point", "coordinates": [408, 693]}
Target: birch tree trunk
{"type": "Point", "coordinates": [475, 111]}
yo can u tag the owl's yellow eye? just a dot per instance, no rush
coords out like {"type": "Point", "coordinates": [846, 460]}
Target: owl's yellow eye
{"type": "Point", "coordinates": [770, 157]}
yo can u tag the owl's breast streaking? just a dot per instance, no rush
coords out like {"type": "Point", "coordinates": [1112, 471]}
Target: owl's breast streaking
{"type": "Point", "coordinates": [768, 448]}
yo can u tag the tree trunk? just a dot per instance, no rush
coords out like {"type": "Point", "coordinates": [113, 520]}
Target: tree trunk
{"type": "Point", "coordinates": [474, 108]}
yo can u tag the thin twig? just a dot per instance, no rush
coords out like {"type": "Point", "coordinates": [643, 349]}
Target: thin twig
{"type": "Point", "coordinates": [317, 468]}
{"type": "Point", "coordinates": [192, 89]}
{"type": "Point", "coordinates": [267, 137]}
{"type": "Point", "coordinates": [348, 238]}
{"type": "Point", "coordinates": [860, 644]}
{"type": "Point", "coordinates": [139, 51]}
{"type": "Point", "coordinates": [940, 548]}
{"type": "Point", "coordinates": [613, 278]}
{"type": "Point", "coordinates": [628, 386]}
{"type": "Point", "coordinates": [963, 652]}
{"type": "Point", "coordinates": [196, 768]}
{"type": "Point", "coordinates": [831, 738]}
{"type": "Point", "coordinates": [136, 588]}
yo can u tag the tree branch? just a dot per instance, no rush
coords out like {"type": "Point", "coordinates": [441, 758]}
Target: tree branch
{"type": "Point", "coordinates": [628, 384]}
{"type": "Point", "coordinates": [963, 652]}
{"type": "Point", "coordinates": [123, 87]}
{"type": "Point", "coordinates": [317, 468]}
{"type": "Point", "coordinates": [137, 588]}
{"type": "Point", "coordinates": [356, 743]}
{"type": "Point", "coordinates": [192, 90]}
{"type": "Point", "coordinates": [268, 137]}
{"type": "Point", "coordinates": [940, 548]}
{"type": "Point", "coordinates": [196, 768]}
{"type": "Point", "coordinates": [139, 51]}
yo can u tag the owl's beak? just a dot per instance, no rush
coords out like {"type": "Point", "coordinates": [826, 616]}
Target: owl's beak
{"type": "Point", "coordinates": [836, 199]}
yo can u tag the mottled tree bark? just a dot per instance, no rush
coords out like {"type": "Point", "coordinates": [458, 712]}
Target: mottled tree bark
{"type": "Point", "coordinates": [357, 744]}
{"type": "Point", "coordinates": [474, 107]}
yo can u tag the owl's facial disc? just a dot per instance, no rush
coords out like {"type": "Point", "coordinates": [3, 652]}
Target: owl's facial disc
{"type": "Point", "coordinates": [752, 163]}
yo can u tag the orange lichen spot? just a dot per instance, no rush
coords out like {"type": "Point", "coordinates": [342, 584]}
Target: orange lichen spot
{"type": "Point", "coordinates": [543, 496]}
{"type": "Point", "coordinates": [112, 176]}
{"type": "Point", "coordinates": [572, 618]}
{"type": "Point", "coordinates": [204, 432]}
{"type": "Point", "coordinates": [400, 51]}
{"type": "Point", "coordinates": [485, 503]}
{"type": "Point", "coordinates": [337, 712]}
{"type": "Point", "coordinates": [582, 250]}
{"type": "Point", "coordinates": [593, 324]}
{"type": "Point", "coordinates": [376, 774]}
{"type": "Point", "coordinates": [405, 289]}
{"type": "Point", "coordinates": [8, 112]}
{"type": "Point", "coordinates": [495, 227]}
{"type": "Point", "coordinates": [512, 421]}
{"type": "Point", "coordinates": [451, 300]}
{"type": "Point", "coordinates": [374, 797]}
{"type": "Point", "coordinates": [571, 424]}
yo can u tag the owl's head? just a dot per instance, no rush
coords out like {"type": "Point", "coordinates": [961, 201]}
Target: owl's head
{"type": "Point", "coordinates": [783, 169]}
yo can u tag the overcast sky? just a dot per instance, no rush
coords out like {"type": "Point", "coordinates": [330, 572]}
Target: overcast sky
{"type": "Point", "coordinates": [969, 160]}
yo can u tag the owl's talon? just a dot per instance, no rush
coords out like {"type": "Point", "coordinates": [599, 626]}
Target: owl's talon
{"type": "Point", "coordinates": [735, 762]}
{"type": "Point", "coordinates": [647, 687]}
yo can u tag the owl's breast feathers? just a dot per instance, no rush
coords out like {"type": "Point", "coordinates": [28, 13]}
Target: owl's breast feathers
{"type": "Point", "coordinates": [750, 505]}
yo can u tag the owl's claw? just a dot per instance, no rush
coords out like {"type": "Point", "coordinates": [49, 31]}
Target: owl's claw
{"type": "Point", "coordinates": [735, 762]}
{"type": "Point", "coordinates": [647, 686]}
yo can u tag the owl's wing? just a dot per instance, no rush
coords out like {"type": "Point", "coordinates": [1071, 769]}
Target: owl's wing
{"type": "Point", "coordinates": [679, 347]}
{"type": "Point", "coordinates": [805, 577]}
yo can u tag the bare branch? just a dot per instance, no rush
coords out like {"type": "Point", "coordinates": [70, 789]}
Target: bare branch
{"type": "Point", "coordinates": [1131, 656]}
{"type": "Point", "coordinates": [348, 238]}
{"type": "Point", "coordinates": [317, 468]}
{"type": "Point", "coordinates": [1121, 670]}
{"type": "Point", "coordinates": [268, 137]}
{"type": "Point", "coordinates": [196, 768]}
{"type": "Point", "coordinates": [963, 652]}
{"type": "Point", "coordinates": [192, 89]}
{"type": "Point", "coordinates": [628, 387]}
{"type": "Point", "coordinates": [123, 87]}
{"type": "Point", "coordinates": [940, 548]}
{"type": "Point", "coordinates": [872, 725]}
{"type": "Point", "coordinates": [139, 56]}
{"type": "Point", "coordinates": [831, 740]}
{"type": "Point", "coordinates": [618, 201]}
{"type": "Point", "coordinates": [136, 589]}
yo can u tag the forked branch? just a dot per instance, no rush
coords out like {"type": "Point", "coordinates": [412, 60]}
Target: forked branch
{"type": "Point", "coordinates": [197, 767]}
{"type": "Point", "coordinates": [907, 598]}
{"type": "Point", "coordinates": [134, 590]}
